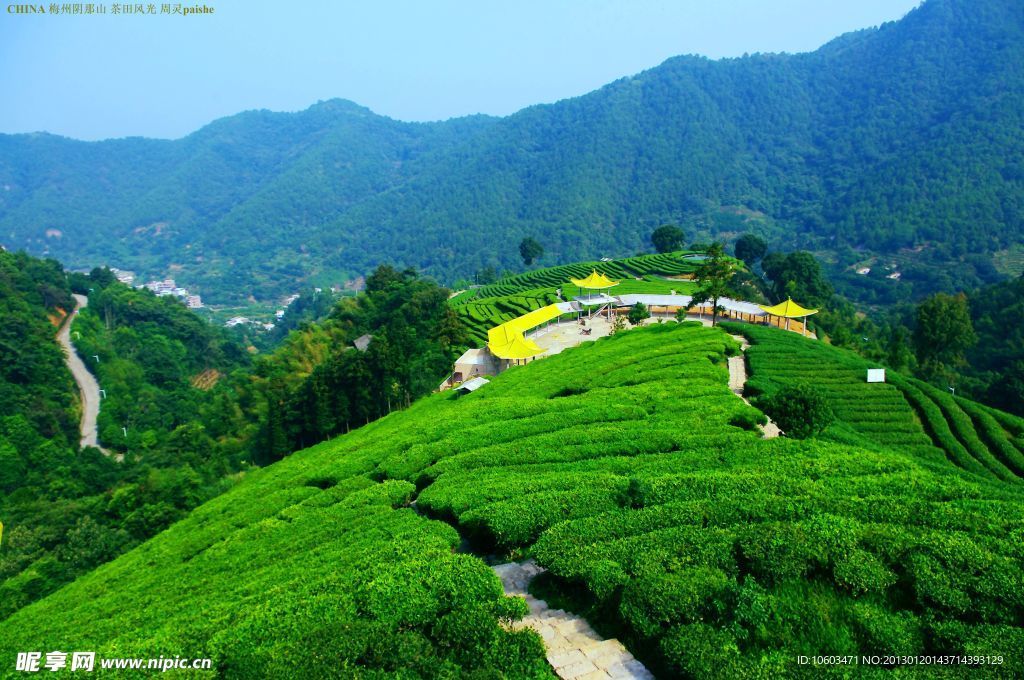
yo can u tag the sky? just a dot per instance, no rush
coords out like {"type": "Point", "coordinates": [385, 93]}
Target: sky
{"type": "Point", "coordinates": [166, 75]}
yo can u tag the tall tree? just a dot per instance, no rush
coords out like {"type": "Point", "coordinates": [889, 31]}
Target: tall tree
{"type": "Point", "coordinates": [667, 238]}
{"type": "Point", "coordinates": [797, 275]}
{"type": "Point", "coordinates": [530, 250]}
{"type": "Point", "coordinates": [714, 278]}
{"type": "Point", "coordinates": [750, 248]}
{"type": "Point", "coordinates": [943, 333]}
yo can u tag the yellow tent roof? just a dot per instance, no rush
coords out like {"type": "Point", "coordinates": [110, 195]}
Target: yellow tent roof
{"type": "Point", "coordinates": [788, 309]}
{"type": "Point", "coordinates": [507, 341]}
{"type": "Point", "coordinates": [534, 318]}
{"type": "Point", "coordinates": [595, 280]}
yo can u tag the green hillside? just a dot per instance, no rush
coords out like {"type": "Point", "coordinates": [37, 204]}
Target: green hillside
{"type": "Point", "coordinates": [625, 466]}
{"type": "Point", "coordinates": [904, 136]}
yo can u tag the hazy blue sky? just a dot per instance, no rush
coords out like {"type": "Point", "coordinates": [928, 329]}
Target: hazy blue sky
{"type": "Point", "coordinates": [93, 77]}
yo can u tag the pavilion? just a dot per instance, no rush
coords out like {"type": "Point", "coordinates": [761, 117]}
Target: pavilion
{"type": "Point", "coordinates": [789, 310]}
{"type": "Point", "coordinates": [599, 282]}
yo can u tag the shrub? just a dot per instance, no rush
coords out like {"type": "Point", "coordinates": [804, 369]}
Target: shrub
{"type": "Point", "coordinates": [649, 604]}
{"type": "Point", "coordinates": [861, 572]}
{"type": "Point", "coordinates": [697, 650]}
{"type": "Point", "coordinates": [800, 410]}
{"type": "Point", "coordinates": [748, 420]}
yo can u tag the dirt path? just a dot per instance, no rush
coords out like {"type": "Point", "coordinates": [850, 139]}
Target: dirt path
{"type": "Point", "coordinates": [575, 651]}
{"type": "Point", "coordinates": [738, 379]}
{"type": "Point", "coordinates": [88, 388]}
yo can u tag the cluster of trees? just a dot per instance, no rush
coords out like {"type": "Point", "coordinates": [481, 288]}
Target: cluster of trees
{"type": "Point", "coordinates": [68, 509]}
{"type": "Point", "coordinates": [970, 342]}
{"type": "Point", "coordinates": [34, 296]}
{"type": "Point", "coordinates": [413, 337]}
{"type": "Point", "coordinates": [312, 305]}
{"type": "Point", "coordinates": [185, 406]}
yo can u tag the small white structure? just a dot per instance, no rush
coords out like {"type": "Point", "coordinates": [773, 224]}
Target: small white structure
{"type": "Point", "coordinates": [472, 385]}
{"type": "Point", "coordinates": [876, 375]}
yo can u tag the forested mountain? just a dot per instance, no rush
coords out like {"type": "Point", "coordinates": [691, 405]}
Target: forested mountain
{"type": "Point", "coordinates": [907, 136]}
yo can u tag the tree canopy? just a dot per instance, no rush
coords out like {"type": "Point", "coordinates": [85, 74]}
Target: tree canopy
{"type": "Point", "coordinates": [943, 332]}
{"type": "Point", "coordinates": [667, 238]}
{"type": "Point", "coordinates": [714, 279]}
{"type": "Point", "coordinates": [797, 275]}
{"type": "Point", "coordinates": [750, 248]}
{"type": "Point", "coordinates": [530, 250]}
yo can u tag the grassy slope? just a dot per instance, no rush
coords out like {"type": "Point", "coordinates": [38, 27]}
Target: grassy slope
{"type": "Point", "coordinates": [708, 550]}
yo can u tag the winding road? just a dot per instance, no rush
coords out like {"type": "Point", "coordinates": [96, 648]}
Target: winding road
{"type": "Point", "coordinates": [88, 388]}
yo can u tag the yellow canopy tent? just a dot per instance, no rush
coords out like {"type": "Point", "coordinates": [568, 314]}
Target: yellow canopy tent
{"type": "Point", "coordinates": [595, 281]}
{"type": "Point", "coordinates": [534, 318]}
{"type": "Point", "coordinates": [506, 342]}
{"type": "Point", "coordinates": [789, 310]}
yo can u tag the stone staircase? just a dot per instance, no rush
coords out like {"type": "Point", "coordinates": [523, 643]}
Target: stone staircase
{"type": "Point", "coordinates": [574, 650]}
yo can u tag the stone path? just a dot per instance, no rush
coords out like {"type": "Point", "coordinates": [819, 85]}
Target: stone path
{"type": "Point", "coordinates": [575, 651]}
{"type": "Point", "coordinates": [738, 378]}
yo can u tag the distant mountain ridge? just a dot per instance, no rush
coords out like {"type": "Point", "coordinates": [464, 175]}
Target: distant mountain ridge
{"type": "Point", "coordinates": [906, 135]}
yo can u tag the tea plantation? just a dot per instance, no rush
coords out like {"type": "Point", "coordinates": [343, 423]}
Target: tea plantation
{"type": "Point", "coordinates": [628, 469]}
{"type": "Point", "coordinates": [483, 308]}
{"type": "Point", "coordinates": [903, 413]}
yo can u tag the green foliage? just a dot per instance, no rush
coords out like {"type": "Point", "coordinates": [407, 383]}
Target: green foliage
{"type": "Point", "coordinates": [942, 332]}
{"type": "Point", "coordinates": [668, 238]}
{"type": "Point", "coordinates": [710, 551]}
{"type": "Point", "coordinates": [638, 313]}
{"type": "Point", "coordinates": [800, 410]}
{"type": "Point", "coordinates": [714, 275]}
{"type": "Point", "coordinates": [902, 413]}
{"type": "Point", "coordinates": [33, 379]}
{"type": "Point", "coordinates": [797, 275]}
{"type": "Point", "coordinates": [530, 250]}
{"type": "Point", "coordinates": [318, 385]}
{"type": "Point", "coordinates": [750, 248]}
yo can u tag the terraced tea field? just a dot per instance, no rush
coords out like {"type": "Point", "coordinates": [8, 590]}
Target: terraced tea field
{"type": "Point", "coordinates": [903, 413]}
{"type": "Point", "coordinates": [629, 470]}
{"type": "Point", "coordinates": [483, 308]}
